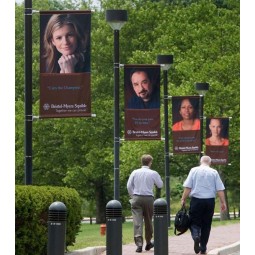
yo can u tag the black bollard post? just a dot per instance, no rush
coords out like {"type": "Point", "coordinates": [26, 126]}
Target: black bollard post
{"type": "Point", "coordinates": [56, 229]}
{"type": "Point", "coordinates": [113, 228]}
{"type": "Point", "coordinates": [160, 227]}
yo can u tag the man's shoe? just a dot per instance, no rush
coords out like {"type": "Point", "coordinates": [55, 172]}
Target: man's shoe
{"type": "Point", "coordinates": [196, 245]}
{"type": "Point", "coordinates": [139, 249]}
{"type": "Point", "coordinates": [149, 246]}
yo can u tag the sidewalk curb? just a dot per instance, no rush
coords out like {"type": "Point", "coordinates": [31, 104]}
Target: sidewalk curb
{"type": "Point", "coordinates": [226, 250]}
{"type": "Point", "coordinates": [99, 249]}
{"type": "Point", "coordinates": [89, 251]}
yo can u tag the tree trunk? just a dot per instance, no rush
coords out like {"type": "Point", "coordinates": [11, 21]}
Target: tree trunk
{"type": "Point", "coordinates": [224, 215]}
{"type": "Point", "coordinates": [100, 205]}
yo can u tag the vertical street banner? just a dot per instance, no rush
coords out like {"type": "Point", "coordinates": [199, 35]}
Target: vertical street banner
{"type": "Point", "coordinates": [217, 140]}
{"type": "Point", "coordinates": [142, 102]}
{"type": "Point", "coordinates": [186, 130]}
{"type": "Point", "coordinates": [65, 64]}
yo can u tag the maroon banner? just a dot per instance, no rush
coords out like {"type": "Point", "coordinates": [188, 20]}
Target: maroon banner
{"type": "Point", "coordinates": [65, 64]}
{"type": "Point", "coordinates": [69, 97]}
{"type": "Point", "coordinates": [217, 141]}
{"type": "Point", "coordinates": [142, 102]}
{"type": "Point", "coordinates": [186, 124]}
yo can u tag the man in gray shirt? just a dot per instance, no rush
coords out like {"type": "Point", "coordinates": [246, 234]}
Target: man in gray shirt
{"type": "Point", "coordinates": [140, 187]}
{"type": "Point", "coordinates": [202, 185]}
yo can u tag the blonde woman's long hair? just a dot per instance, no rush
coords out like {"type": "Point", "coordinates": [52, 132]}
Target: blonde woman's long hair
{"type": "Point", "coordinates": [50, 52]}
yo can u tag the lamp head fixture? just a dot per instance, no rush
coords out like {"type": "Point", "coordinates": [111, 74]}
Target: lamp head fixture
{"type": "Point", "coordinates": [116, 18]}
{"type": "Point", "coordinates": [165, 61]}
{"type": "Point", "coordinates": [202, 88]}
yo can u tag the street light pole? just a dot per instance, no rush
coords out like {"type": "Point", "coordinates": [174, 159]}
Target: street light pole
{"type": "Point", "coordinates": [202, 88]}
{"type": "Point", "coordinates": [165, 61]}
{"type": "Point", "coordinates": [116, 19]}
{"type": "Point", "coordinates": [28, 92]}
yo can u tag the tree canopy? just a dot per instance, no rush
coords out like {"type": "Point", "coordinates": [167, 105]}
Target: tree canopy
{"type": "Point", "coordinates": [204, 38]}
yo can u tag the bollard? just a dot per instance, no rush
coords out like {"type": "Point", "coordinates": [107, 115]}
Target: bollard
{"type": "Point", "coordinates": [160, 227]}
{"type": "Point", "coordinates": [113, 228]}
{"type": "Point", "coordinates": [56, 229]}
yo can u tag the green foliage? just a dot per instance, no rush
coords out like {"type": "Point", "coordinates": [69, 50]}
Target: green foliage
{"type": "Point", "coordinates": [31, 215]}
{"type": "Point", "coordinates": [203, 36]}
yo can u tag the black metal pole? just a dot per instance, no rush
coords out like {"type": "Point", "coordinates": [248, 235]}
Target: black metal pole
{"type": "Point", "coordinates": [116, 116]}
{"type": "Point", "coordinates": [28, 92]}
{"type": "Point", "coordinates": [202, 88]}
{"type": "Point", "coordinates": [167, 164]}
{"type": "Point", "coordinates": [201, 115]}
{"type": "Point", "coordinates": [166, 61]}
{"type": "Point", "coordinates": [116, 19]}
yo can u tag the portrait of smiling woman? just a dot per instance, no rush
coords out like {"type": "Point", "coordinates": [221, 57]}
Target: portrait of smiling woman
{"type": "Point", "coordinates": [65, 45]}
{"type": "Point", "coordinates": [187, 115]}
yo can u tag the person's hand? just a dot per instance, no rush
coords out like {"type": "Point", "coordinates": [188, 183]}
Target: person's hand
{"type": "Point", "coordinates": [183, 202]}
{"type": "Point", "coordinates": [223, 207]}
{"type": "Point", "coordinates": [67, 63]}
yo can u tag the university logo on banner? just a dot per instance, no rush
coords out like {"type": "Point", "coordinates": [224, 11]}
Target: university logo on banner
{"type": "Point", "coordinates": [217, 140]}
{"type": "Point", "coordinates": [142, 102]}
{"type": "Point", "coordinates": [186, 124]}
{"type": "Point", "coordinates": [65, 64]}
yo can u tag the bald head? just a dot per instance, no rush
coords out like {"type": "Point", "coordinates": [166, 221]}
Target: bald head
{"type": "Point", "coordinates": [205, 160]}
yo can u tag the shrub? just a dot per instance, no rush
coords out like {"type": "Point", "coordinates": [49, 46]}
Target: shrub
{"type": "Point", "coordinates": [31, 216]}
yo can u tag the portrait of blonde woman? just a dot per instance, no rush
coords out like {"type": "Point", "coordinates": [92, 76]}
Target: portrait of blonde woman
{"type": "Point", "coordinates": [65, 45]}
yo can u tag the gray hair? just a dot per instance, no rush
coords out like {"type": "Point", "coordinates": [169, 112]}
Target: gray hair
{"type": "Point", "coordinates": [205, 160]}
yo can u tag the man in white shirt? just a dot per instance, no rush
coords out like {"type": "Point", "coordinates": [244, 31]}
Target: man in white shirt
{"type": "Point", "coordinates": [202, 185]}
{"type": "Point", "coordinates": [140, 187]}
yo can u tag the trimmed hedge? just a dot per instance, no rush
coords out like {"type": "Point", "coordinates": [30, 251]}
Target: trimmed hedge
{"type": "Point", "coordinates": [31, 216]}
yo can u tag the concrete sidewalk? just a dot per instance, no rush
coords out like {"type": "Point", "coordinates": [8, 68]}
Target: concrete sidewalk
{"type": "Point", "coordinates": [224, 240]}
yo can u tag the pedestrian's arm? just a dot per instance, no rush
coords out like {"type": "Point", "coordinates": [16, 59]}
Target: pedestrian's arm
{"type": "Point", "coordinates": [221, 195]}
{"type": "Point", "coordinates": [130, 186]}
{"type": "Point", "coordinates": [158, 181]}
{"type": "Point", "coordinates": [185, 194]}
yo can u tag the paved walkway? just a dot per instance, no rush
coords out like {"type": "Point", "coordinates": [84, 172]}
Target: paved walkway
{"type": "Point", "coordinates": [221, 236]}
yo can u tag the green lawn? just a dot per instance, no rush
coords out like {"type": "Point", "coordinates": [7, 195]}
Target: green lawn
{"type": "Point", "coordinates": [89, 235]}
